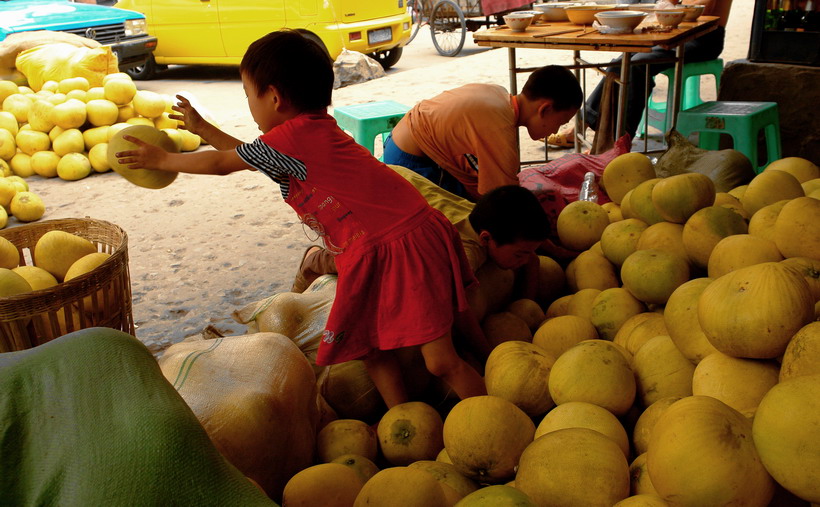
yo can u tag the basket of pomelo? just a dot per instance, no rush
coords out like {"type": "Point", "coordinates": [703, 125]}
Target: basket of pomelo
{"type": "Point", "coordinates": [59, 276]}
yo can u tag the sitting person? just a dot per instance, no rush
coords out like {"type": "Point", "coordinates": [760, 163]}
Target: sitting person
{"type": "Point", "coordinates": [466, 139]}
{"type": "Point", "coordinates": [505, 227]}
{"type": "Point", "coordinates": [704, 48]}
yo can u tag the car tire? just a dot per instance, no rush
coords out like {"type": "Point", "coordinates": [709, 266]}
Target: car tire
{"type": "Point", "coordinates": [144, 72]}
{"type": "Point", "coordinates": [387, 58]}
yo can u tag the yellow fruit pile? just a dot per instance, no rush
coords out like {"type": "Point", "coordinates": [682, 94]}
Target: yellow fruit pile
{"type": "Point", "coordinates": [16, 200]}
{"type": "Point", "coordinates": [63, 129]}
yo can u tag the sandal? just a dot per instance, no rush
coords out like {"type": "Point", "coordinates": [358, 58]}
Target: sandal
{"type": "Point", "coordinates": [301, 281]}
{"type": "Point", "coordinates": [561, 140]}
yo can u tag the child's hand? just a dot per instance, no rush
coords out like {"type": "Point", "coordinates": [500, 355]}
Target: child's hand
{"type": "Point", "coordinates": [145, 156]}
{"type": "Point", "coordinates": [193, 121]}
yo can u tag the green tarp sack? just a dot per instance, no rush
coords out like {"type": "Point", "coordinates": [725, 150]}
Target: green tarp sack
{"type": "Point", "coordinates": [88, 419]}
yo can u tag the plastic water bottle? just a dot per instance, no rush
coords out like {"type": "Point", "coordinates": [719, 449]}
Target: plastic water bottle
{"type": "Point", "coordinates": [589, 188]}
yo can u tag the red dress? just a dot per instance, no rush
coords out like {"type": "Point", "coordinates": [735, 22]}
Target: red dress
{"type": "Point", "coordinates": [402, 268]}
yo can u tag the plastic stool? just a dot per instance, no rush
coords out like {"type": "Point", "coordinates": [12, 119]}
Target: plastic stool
{"type": "Point", "coordinates": [366, 121]}
{"type": "Point", "coordinates": [690, 94]}
{"type": "Point", "coordinates": [741, 120]}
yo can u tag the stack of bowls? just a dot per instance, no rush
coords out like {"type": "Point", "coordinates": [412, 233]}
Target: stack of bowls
{"type": "Point", "coordinates": [553, 11]}
{"type": "Point", "coordinates": [536, 15]}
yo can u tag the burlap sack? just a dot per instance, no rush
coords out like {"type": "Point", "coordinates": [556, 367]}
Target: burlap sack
{"type": "Point", "coordinates": [15, 43]}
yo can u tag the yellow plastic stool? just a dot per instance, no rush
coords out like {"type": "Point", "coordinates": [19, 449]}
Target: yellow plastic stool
{"type": "Point", "coordinates": [366, 121]}
{"type": "Point", "coordinates": [743, 121]}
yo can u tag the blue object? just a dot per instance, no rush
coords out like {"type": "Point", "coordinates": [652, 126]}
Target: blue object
{"type": "Point", "coordinates": [690, 93]}
{"type": "Point", "coordinates": [366, 121]}
{"type": "Point", "coordinates": [743, 121]}
{"type": "Point", "coordinates": [123, 31]}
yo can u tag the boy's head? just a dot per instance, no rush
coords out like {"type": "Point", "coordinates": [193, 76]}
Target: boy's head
{"type": "Point", "coordinates": [553, 96]}
{"type": "Point", "coordinates": [299, 69]}
{"type": "Point", "coordinates": [510, 221]}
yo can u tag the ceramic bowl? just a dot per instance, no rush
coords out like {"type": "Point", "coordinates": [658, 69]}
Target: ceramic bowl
{"type": "Point", "coordinates": [622, 20]}
{"type": "Point", "coordinates": [536, 15]}
{"type": "Point", "coordinates": [693, 12]}
{"type": "Point", "coordinates": [637, 7]}
{"type": "Point", "coordinates": [553, 11]}
{"type": "Point", "coordinates": [518, 22]}
{"type": "Point", "coordinates": [670, 17]}
{"type": "Point", "coordinates": [585, 14]}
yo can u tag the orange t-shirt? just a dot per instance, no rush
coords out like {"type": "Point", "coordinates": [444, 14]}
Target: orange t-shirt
{"type": "Point", "coordinates": [470, 132]}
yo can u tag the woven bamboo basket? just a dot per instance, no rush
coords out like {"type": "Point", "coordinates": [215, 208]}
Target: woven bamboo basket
{"type": "Point", "coordinates": [101, 297]}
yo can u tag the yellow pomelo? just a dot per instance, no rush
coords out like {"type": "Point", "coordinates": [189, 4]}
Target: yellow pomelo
{"type": "Point", "coordinates": [518, 372]}
{"type": "Point", "coordinates": [579, 414]}
{"type": "Point", "coordinates": [363, 466]}
{"type": "Point", "coordinates": [410, 432]}
{"type": "Point", "coordinates": [12, 283]}
{"type": "Point", "coordinates": [164, 122]}
{"type": "Point", "coordinates": [190, 141]}
{"type": "Point", "coordinates": [558, 334]}
{"type": "Point", "coordinates": [558, 307]}
{"type": "Point", "coordinates": [449, 477]}
{"type": "Point", "coordinates": [115, 75]}
{"type": "Point", "coordinates": [98, 158]}
{"type": "Point", "coordinates": [630, 324]}
{"type": "Point", "coordinates": [754, 311]}
{"type": "Point", "coordinates": [80, 95]}
{"type": "Point", "coordinates": [27, 206]}
{"type": "Point", "coordinates": [611, 308]}
{"type": "Point", "coordinates": [410, 487]}
{"type": "Point", "coordinates": [620, 239]}
{"type": "Point", "coordinates": [797, 228]}
{"type": "Point", "coordinates": [808, 186]}
{"type": "Point", "coordinates": [95, 136]}
{"type": "Point", "coordinates": [551, 280]}
{"type": "Point", "coordinates": [8, 122]}
{"type": "Point", "coordinates": [802, 355]}
{"type": "Point", "coordinates": [70, 114]}
{"type": "Point", "coordinates": [38, 278]}
{"type": "Point", "coordinates": [7, 191]}
{"type": "Point", "coordinates": [642, 333]}
{"type": "Point", "coordinates": [7, 88]}
{"type": "Point", "coordinates": [594, 371]}
{"type": "Point", "coordinates": [681, 318]}
{"type": "Point", "coordinates": [769, 187]}
{"type": "Point", "coordinates": [113, 129]}
{"type": "Point", "coordinates": [73, 166]}
{"type": "Point", "coordinates": [5, 170]}
{"type": "Point", "coordinates": [329, 484]}
{"type": "Point", "coordinates": [661, 371]}
{"type": "Point", "coordinates": [626, 172]}
{"type": "Point", "coordinates": [580, 224]}
{"type": "Point", "coordinates": [18, 104]}
{"type": "Point", "coordinates": [705, 228]}
{"type": "Point", "coordinates": [642, 431]}
{"type": "Point", "coordinates": [443, 457]}
{"type": "Point", "coordinates": [73, 83]}
{"type": "Point", "coordinates": [175, 137]}
{"type": "Point", "coordinates": [664, 236]}
{"type": "Point", "coordinates": [739, 383]}
{"type": "Point", "coordinates": [505, 326]}
{"type": "Point", "coordinates": [727, 200]}
{"type": "Point", "coordinates": [498, 495]}
{"type": "Point", "coordinates": [527, 310]}
{"type": "Point", "coordinates": [346, 436]}
{"type": "Point", "coordinates": [485, 436]}
{"type": "Point", "coordinates": [810, 270]}
{"type": "Point", "coordinates": [31, 141]}
{"type": "Point", "coordinates": [69, 141]}
{"type": "Point", "coordinates": [644, 500]}
{"type": "Point", "coordinates": [39, 115]}
{"type": "Point", "coordinates": [573, 466]}
{"type": "Point", "coordinates": [785, 435]}
{"type": "Point", "coordinates": [626, 209]}
{"type": "Point", "coordinates": [802, 169]}
{"type": "Point", "coordinates": [640, 202]}
{"type": "Point", "coordinates": [147, 178]}
{"type": "Point", "coordinates": [652, 275]}
{"type": "Point", "coordinates": [613, 210]}
{"type": "Point", "coordinates": [119, 91]}
{"type": "Point", "coordinates": [125, 113]}
{"type": "Point", "coordinates": [44, 163]}
{"type": "Point", "coordinates": [55, 133]}
{"type": "Point", "coordinates": [57, 98]}
{"type": "Point", "coordinates": [741, 250]}
{"type": "Point", "coordinates": [762, 222]}
{"type": "Point", "coordinates": [19, 181]}
{"type": "Point", "coordinates": [101, 112]}
{"type": "Point", "coordinates": [581, 303]}
{"type": "Point", "coordinates": [140, 120]}
{"type": "Point", "coordinates": [593, 271]}
{"type": "Point", "coordinates": [640, 484]}
{"type": "Point", "coordinates": [21, 165]}
{"type": "Point", "coordinates": [50, 85]}
{"type": "Point", "coordinates": [701, 453]}
{"type": "Point", "coordinates": [677, 197]}
{"type": "Point", "coordinates": [85, 264]}
{"type": "Point", "coordinates": [95, 93]}
{"type": "Point", "coordinates": [8, 145]}
{"type": "Point", "coordinates": [9, 256]}
{"type": "Point", "coordinates": [148, 104]}
{"type": "Point", "coordinates": [56, 251]}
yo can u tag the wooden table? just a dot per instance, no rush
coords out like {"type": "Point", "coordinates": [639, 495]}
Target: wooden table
{"type": "Point", "coordinates": [577, 38]}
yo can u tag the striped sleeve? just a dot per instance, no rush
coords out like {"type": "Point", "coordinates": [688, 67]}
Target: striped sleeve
{"type": "Point", "coordinates": [276, 165]}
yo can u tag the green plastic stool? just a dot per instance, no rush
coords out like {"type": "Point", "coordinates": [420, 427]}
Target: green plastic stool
{"type": "Point", "coordinates": [366, 121]}
{"type": "Point", "coordinates": [743, 121]}
{"type": "Point", "coordinates": [692, 72]}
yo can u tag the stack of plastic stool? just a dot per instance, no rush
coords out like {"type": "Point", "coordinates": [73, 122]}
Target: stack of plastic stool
{"type": "Point", "coordinates": [743, 121]}
{"type": "Point", "coordinates": [366, 121]}
{"type": "Point", "coordinates": [690, 93]}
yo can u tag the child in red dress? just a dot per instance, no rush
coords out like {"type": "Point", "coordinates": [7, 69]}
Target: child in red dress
{"type": "Point", "coordinates": [402, 268]}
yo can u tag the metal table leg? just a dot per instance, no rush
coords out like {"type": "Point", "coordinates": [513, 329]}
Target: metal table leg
{"type": "Point", "coordinates": [623, 93]}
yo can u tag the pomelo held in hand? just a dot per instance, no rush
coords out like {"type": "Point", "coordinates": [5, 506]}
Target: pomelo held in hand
{"type": "Point", "coordinates": [147, 178]}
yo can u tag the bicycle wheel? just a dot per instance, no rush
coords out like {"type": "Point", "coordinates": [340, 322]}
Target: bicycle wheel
{"type": "Point", "coordinates": [448, 27]}
{"type": "Point", "coordinates": [416, 10]}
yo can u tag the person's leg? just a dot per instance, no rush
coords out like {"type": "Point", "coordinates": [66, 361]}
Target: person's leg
{"type": "Point", "coordinates": [385, 372]}
{"type": "Point", "coordinates": [441, 360]}
{"type": "Point", "coordinates": [424, 166]}
{"type": "Point", "coordinates": [316, 262]}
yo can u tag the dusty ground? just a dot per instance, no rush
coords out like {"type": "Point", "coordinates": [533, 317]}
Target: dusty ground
{"type": "Point", "coordinates": [207, 245]}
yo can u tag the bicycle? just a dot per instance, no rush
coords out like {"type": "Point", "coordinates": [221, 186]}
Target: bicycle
{"type": "Point", "coordinates": [416, 10]}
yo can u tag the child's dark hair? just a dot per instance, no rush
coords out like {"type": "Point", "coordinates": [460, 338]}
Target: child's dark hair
{"type": "Point", "coordinates": [557, 83]}
{"type": "Point", "coordinates": [297, 67]}
{"type": "Point", "coordinates": [510, 213]}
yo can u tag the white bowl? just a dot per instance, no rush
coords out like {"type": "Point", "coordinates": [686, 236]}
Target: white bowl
{"type": "Point", "coordinates": [623, 20]}
{"type": "Point", "coordinates": [693, 12]}
{"type": "Point", "coordinates": [553, 11]}
{"type": "Point", "coordinates": [518, 22]}
{"type": "Point", "coordinates": [670, 17]}
{"type": "Point", "coordinates": [536, 15]}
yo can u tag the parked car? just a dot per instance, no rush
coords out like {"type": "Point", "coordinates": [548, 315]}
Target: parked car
{"type": "Point", "coordinates": [217, 32]}
{"type": "Point", "coordinates": [125, 32]}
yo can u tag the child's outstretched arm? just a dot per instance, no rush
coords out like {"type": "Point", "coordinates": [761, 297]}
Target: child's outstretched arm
{"type": "Point", "coordinates": [195, 123]}
{"type": "Point", "coordinates": [148, 156]}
